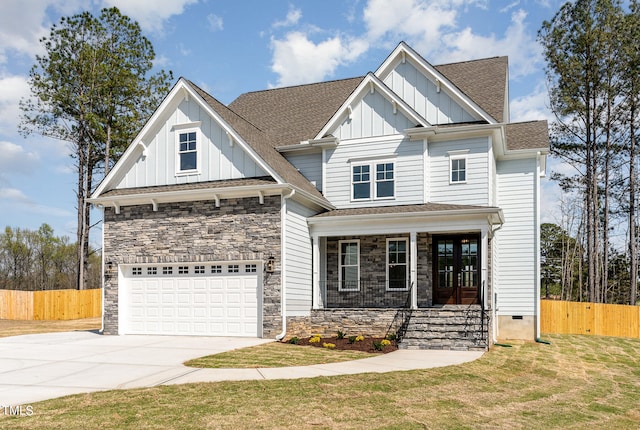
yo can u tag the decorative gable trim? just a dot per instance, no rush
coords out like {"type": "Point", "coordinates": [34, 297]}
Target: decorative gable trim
{"type": "Point", "coordinates": [404, 52]}
{"type": "Point", "coordinates": [371, 83]}
{"type": "Point", "coordinates": [181, 90]}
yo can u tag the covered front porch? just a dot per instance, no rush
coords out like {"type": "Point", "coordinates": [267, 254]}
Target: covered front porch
{"type": "Point", "coordinates": [416, 256]}
{"type": "Point", "coordinates": [425, 269]}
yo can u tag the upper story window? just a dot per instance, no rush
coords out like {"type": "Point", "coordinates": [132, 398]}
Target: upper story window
{"type": "Point", "coordinates": [361, 182]}
{"type": "Point", "coordinates": [382, 186]}
{"type": "Point", "coordinates": [187, 151]}
{"type": "Point", "coordinates": [458, 166]}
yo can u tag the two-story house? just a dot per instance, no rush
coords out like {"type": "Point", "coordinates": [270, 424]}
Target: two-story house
{"type": "Point", "coordinates": [402, 200]}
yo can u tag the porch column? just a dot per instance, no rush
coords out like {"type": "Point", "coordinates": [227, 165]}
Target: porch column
{"type": "Point", "coordinates": [484, 253]}
{"type": "Point", "coordinates": [315, 289]}
{"type": "Point", "coordinates": [413, 275]}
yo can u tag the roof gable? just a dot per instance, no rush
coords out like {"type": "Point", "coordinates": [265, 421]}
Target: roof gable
{"type": "Point", "coordinates": [478, 87]}
{"type": "Point", "coordinates": [372, 109]}
{"type": "Point", "coordinates": [151, 158]}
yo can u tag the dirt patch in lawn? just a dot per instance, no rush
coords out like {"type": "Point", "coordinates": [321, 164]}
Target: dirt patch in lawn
{"type": "Point", "coordinates": [368, 344]}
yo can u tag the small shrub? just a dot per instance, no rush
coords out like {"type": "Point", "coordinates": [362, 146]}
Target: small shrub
{"type": "Point", "coordinates": [329, 345]}
{"type": "Point", "coordinates": [341, 334]}
{"type": "Point", "coordinates": [352, 339]}
{"type": "Point", "coordinates": [377, 345]}
{"type": "Point", "coordinates": [294, 340]}
{"type": "Point", "coordinates": [392, 336]}
{"type": "Point", "coordinates": [315, 339]}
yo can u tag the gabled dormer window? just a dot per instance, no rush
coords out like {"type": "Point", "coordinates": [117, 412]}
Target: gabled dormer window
{"type": "Point", "coordinates": [375, 179]}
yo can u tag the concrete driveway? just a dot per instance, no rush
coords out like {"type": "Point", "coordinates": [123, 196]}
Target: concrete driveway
{"type": "Point", "coordinates": [44, 366]}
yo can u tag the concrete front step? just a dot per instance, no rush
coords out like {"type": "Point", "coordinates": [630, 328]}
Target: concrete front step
{"type": "Point", "coordinates": [459, 328]}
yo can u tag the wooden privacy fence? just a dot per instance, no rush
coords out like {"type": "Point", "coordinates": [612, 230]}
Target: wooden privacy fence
{"type": "Point", "coordinates": [589, 318]}
{"type": "Point", "coordinates": [50, 304]}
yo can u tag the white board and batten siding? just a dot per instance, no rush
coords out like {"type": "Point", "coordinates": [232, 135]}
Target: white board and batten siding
{"type": "Point", "coordinates": [516, 240]}
{"type": "Point", "coordinates": [422, 94]}
{"type": "Point", "coordinates": [217, 158]}
{"type": "Point", "coordinates": [372, 116]}
{"type": "Point", "coordinates": [406, 155]}
{"type": "Point", "coordinates": [298, 266]}
{"type": "Point", "coordinates": [476, 189]}
{"type": "Point", "coordinates": [310, 165]}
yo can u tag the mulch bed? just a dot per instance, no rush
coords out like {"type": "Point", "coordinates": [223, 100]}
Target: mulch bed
{"type": "Point", "coordinates": [365, 345]}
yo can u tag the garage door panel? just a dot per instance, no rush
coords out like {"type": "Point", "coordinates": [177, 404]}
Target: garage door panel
{"type": "Point", "coordinates": [224, 304]}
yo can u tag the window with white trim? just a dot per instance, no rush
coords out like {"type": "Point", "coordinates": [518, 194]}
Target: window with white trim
{"type": "Point", "coordinates": [361, 182]}
{"type": "Point", "coordinates": [382, 186]}
{"type": "Point", "coordinates": [233, 268]}
{"type": "Point", "coordinates": [397, 267]}
{"type": "Point", "coordinates": [187, 151]}
{"type": "Point", "coordinates": [152, 270]}
{"type": "Point", "coordinates": [458, 169]}
{"type": "Point", "coordinates": [349, 265]}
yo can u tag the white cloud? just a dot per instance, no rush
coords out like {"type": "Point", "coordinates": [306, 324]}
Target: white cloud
{"type": "Point", "coordinates": [297, 60]}
{"type": "Point", "coordinates": [215, 22]}
{"type": "Point", "coordinates": [412, 19]}
{"type": "Point", "coordinates": [15, 159]}
{"type": "Point", "coordinates": [293, 16]}
{"type": "Point", "coordinates": [20, 202]}
{"type": "Point", "coordinates": [150, 14]}
{"type": "Point", "coordinates": [519, 44]}
{"type": "Point", "coordinates": [12, 89]}
{"type": "Point", "coordinates": [533, 106]}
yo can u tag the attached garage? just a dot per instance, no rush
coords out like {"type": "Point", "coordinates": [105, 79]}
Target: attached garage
{"type": "Point", "coordinates": [212, 299]}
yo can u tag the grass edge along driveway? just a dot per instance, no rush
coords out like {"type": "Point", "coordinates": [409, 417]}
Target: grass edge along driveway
{"type": "Point", "coordinates": [576, 382]}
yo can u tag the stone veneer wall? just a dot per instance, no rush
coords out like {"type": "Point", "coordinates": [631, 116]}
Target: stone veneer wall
{"type": "Point", "coordinates": [327, 322]}
{"type": "Point", "coordinates": [240, 229]}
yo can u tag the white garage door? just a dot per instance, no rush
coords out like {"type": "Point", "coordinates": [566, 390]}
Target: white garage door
{"type": "Point", "coordinates": [191, 299]}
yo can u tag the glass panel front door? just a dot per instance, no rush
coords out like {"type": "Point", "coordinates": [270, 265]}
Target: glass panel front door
{"type": "Point", "coordinates": [456, 268]}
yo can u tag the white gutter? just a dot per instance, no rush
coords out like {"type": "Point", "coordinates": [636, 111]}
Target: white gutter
{"type": "Point", "coordinates": [283, 258]}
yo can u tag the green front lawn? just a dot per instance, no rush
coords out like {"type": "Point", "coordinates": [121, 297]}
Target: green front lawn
{"type": "Point", "coordinates": [276, 354]}
{"type": "Point", "coordinates": [576, 382]}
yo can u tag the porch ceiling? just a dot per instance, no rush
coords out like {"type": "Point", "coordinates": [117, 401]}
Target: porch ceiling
{"type": "Point", "coordinates": [428, 217]}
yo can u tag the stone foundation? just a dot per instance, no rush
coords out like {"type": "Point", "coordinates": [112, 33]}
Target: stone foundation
{"type": "Point", "coordinates": [327, 322]}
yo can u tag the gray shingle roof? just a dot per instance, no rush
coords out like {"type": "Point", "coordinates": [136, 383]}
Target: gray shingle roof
{"type": "Point", "coordinates": [527, 135]}
{"type": "Point", "coordinates": [293, 114]}
{"type": "Point", "coordinates": [245, 182]}
{"type": "Point", "coordinates": [403, 209]}
{"type": "Point", "coordinates": [483, 81]}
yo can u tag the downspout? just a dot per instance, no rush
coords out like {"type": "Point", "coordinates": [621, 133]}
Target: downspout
{"type": "Point", "coordinates": [283, 292]}
{"type": "Point", "coordinates": [537, 249]}
{"type": "Point", "coordinates": [103, 271]}
{"type": "Point", "coordinates": [494, 300]}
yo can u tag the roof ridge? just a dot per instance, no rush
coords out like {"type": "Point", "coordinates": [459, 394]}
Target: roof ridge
{"type": "Point", "coordinates": [472, 61]}
{"type": "Point", "coordinates": [301, 85]}
{"type": "Point", "coordinates": [197, 88]}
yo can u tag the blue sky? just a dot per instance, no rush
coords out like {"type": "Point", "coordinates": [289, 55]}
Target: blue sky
{"type": "Point", "coordinates": [231, 47]}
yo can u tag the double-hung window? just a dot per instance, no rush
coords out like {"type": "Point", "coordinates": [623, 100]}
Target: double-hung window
{"type": "Point", "coordinates": [397, 267]}
{"type": "Point", "coordinates": [458, 167]}
{"type": "Point", "coordinates": [349, 265]}
{"type": "Point", "coordinates": [361, 182]}
{"type": "Point", "coordinates": [187, 151]}
{"type": "Point", "coordinates": [375, 179]}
